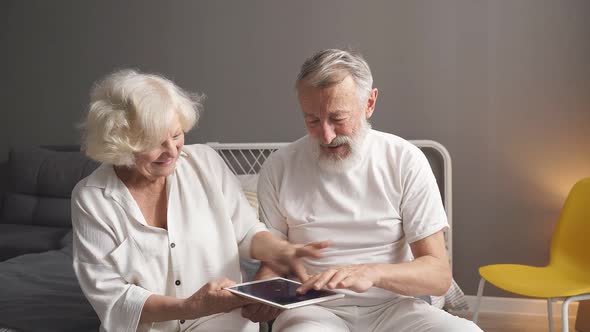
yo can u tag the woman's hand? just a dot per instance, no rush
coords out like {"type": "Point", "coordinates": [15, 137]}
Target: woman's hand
{"type": "Point", "coordinates": [289, 259]}
{"type": "Point", "coordinates": [212, 299]}
{"type": "Point", "coordinates": [283, 257]}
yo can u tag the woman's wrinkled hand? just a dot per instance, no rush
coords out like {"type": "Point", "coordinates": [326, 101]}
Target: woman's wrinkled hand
{"type": "Point", "coordinates": [288, 259]}
{"type": "Point", "coordinates": [212, 298]}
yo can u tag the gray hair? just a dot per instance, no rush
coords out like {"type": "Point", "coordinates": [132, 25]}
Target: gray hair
{"type": "Point", "coordinates": [331, 66]}
{"type": "Point", "coordinates": [131, 112]}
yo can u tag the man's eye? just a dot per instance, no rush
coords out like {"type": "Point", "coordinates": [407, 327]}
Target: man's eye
{"type": "Point", "coordinates": [339, 119]}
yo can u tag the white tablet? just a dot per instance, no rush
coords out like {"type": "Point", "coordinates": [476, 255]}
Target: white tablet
{"type": "Point", "coordinates": [280, 293]}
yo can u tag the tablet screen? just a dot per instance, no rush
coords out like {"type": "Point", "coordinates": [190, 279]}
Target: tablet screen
{"type": "Point", "coordinates": [283, 292]}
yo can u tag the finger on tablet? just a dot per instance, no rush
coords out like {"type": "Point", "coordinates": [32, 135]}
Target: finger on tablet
{"type": "Point", "coordinates": [324, 278]}
{"type": "Point", "coordinates": [307, 285]}
{"type": "Point", "coordinates": [337, 278]}
{"type": "Point", "coordinates": [300, 271]}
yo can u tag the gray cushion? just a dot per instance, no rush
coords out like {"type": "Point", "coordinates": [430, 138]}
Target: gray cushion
{"type": "Point", "coordinates": [16, 240]}
{"type": "Point", "coordinates": [40, 183]}
{"type": "Point", "coordinates": [40, 292]}
{"type": "Point", "coordinates": [67, 240]}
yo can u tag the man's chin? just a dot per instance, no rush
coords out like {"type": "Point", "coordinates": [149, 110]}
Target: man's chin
{"type": "Point", "coordinates": [337, 163]}
{"type": "Point", "coordinates": [335, 153]}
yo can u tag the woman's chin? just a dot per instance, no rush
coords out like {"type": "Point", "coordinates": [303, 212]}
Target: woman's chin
{"type": "Point", "coordinates": [163, 169]}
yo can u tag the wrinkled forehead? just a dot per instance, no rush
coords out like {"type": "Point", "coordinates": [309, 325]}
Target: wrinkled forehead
{"type": "Point", "coordinates": [341, 93]}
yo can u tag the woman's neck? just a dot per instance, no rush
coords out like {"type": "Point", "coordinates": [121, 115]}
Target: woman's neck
{"type": "Point", "coordinates": [137, 181]}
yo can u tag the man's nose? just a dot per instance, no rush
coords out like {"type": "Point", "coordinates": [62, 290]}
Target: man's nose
{"type": "Point", "coordinates": [328, 133]}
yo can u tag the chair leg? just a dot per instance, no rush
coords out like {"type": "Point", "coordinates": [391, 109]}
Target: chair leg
{"type": "Point", "coordinates": [565, 314]}
{"type": "Point", "coordinates": [482, 282]}
{"type": "Point", "coordinates": [550, 313]}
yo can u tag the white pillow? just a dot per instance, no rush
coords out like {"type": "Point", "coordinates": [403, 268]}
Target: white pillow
{"type": "Point", "coordinates": [249, 182]}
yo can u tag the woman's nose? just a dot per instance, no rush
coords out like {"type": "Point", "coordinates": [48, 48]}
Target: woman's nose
{"type": "Point", "coordinates": [170, 147]}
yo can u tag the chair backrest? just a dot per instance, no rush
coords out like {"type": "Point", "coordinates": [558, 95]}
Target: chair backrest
{"type": "Point", "coordinates": [570, 246]}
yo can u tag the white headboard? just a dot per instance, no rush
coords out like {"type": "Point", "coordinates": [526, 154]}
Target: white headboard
{"type": "Point", "coordinates": [247, 158]}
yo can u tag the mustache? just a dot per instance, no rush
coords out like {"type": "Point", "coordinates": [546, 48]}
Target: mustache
{"type": "Point", "coordinates": [337, 141]}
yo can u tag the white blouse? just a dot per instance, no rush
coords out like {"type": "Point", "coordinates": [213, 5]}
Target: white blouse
{"type": "Point", "coordinates": [120, 260]}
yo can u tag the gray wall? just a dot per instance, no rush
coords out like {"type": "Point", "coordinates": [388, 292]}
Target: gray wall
{"type": "Point", "coordinates": [504, 85]}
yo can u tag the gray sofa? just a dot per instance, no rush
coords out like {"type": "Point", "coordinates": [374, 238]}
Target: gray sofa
{"type": "Point", "coordinates": [35, 209]}
{"type": "Point", "coordinates": [38, 288]}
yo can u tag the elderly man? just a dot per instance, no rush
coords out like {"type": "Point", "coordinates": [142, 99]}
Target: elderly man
{"type": "Point", "coordinates": [373, 195]}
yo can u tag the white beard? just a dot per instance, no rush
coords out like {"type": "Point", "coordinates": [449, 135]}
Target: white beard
{"type": "Point", "coordinates": [336, 164]}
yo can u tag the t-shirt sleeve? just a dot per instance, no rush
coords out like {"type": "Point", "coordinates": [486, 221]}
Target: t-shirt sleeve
{"type": "Point", "coordinates": [422, 210]}
{"type": "Point", "coordinates": [268, 198]}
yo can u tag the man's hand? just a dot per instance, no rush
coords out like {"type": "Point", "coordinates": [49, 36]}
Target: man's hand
{"type": "Point", "coordinates": [358, 278]}
{"type": "Point", "coordinates": [212, 298]}
{"type": "Point", "coordinates": [258, 312]}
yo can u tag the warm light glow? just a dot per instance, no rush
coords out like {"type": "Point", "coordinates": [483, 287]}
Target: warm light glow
{"type": "Point", "coordinates": [551, 166]}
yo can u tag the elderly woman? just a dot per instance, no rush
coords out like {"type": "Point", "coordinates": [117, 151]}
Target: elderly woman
{"type": "Point", "coordinates": [159, 227]}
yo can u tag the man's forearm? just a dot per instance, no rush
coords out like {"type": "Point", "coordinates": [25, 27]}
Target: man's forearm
{"type": "Point", "coordinates": [426, 275]}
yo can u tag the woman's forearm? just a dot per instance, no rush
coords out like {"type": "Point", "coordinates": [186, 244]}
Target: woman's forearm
{"type": "Point", "coordinates": [210, 299]}
{"type": "Point", "coordinates": [265, 272]}
{"type": "Point", "coordinates": [265, 246]}
{"type": "Point", "coordinates": [159, 308]}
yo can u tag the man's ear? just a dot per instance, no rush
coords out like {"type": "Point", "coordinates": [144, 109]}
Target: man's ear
{"type": "Point", "coordinates": [370, 107]}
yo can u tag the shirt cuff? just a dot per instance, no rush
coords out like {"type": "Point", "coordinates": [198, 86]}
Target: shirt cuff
{"type": "Point", "coordinates": [135, 298]}
{"type": "Point", "coordinates": [427, 232]}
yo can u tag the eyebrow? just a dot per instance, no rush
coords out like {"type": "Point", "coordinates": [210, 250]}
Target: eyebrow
{"type": "Point", "coordinates": [337, 113]}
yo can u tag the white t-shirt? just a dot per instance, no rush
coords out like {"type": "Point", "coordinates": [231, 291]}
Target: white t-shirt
{"type": "Point", "coordinates": [120, 260]}
{"type": "Point", "coordinates": [371, 212]}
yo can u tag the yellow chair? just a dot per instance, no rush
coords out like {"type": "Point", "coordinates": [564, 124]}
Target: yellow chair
{"type": "Point", "coordinates": [567, 277]}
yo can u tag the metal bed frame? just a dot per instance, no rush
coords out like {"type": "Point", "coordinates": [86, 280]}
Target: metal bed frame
{"type": "Point", "coordinates": [247, 158]}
